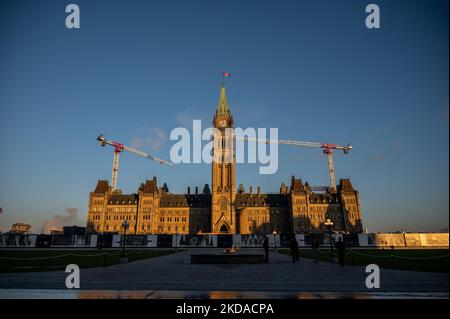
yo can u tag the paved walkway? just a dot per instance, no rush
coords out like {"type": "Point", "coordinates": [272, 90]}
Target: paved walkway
{"type": "Point", "coordinates": [175, 273]}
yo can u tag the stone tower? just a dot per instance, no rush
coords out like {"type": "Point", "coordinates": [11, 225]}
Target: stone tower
{"type": "Point", "coordinates": [223, 212]}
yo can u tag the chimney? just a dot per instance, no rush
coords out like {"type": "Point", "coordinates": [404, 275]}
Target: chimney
{"type": "Point", "coordinates": [258, 190]}
{"type": "Point", "coordinates": [189, 190]}
{"type": "Point", "coordinates": [251, 190]}
{"type": "Point", "coordinates": [196, 190]}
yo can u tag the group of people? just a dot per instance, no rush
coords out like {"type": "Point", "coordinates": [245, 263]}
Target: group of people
{"type": "Point", "coordinates": [315, 244]}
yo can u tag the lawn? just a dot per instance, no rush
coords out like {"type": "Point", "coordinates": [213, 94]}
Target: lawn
{"type": "Point", "coordinates": [432, 260]}
{"type": "Point", "coordinates": [42, 260]}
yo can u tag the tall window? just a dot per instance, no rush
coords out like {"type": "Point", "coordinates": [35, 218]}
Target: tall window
{"type": "Point", "coordinates": [223, 204]}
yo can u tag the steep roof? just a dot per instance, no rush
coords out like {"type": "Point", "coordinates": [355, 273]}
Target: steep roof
{"type": "Point", "coordinates": [150, 186]}
{"type": "Point", "coordinates": [297, 185]}
{"type": "Point", "coordinates": [345, 185]}
{"type": "Point", "coordinates": [222, 107]}
{"type": "Point", "coordinates": [102, 187]}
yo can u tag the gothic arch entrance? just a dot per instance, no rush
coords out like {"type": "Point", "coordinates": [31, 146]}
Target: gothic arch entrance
{"type": "Point", "coordinates": [224, 229]}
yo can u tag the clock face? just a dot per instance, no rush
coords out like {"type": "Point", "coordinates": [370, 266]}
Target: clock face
{"type": "Point", "coordinates": [223, 123]}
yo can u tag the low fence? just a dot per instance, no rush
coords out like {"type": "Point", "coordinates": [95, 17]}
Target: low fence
{"type": "Point", "coordinates": [381, 240]}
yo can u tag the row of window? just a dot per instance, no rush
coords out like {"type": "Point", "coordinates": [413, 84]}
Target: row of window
{"type": "Point", "coordinates": [263, 219]}
{"type": "Point", "coordinates": [116, 227]}
{"type": "Point", "coordinates": [175, 219]}
{"type": "Point", "coordinates": [121, 209]}
{"type": "Point", "coordinates": [97, 202]}
{"type": "Point", "coordinates": [263, 212]}
{"type": "Point", "coordinates": [170, 212]}
{"type": "Point", "coordinates": [163, 229]}
{"type": "Point", "coordinates": [120, 217]}
{"type": "Point", "coordinates": [314, 217]}
{"type": "Point", "coordinates": [319, 209]}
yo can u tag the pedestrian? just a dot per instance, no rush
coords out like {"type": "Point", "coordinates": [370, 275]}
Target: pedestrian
{"type": "Point", "coordinates": [294, 250]}
{"type": "Point", "coordinates": [266, 248]}
{"type": "Point", "coordinates": [340, 246]}
{"type": "Point", "coordinates": [315, 250]}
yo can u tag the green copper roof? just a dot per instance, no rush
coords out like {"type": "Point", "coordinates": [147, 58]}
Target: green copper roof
{"type": "Point", "coordinates": [222, 107]}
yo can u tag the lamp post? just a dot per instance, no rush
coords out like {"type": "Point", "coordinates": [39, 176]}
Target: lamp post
{"type": "Point", "coordinates": [125, 227]}
{"type": "Point", "coordinates": [329, 224]}
{"type": "Point", "coordinates": [274, 239]}
{"type": "Point", "coordinates": [404, 237]}
{"type": "Point", "coordinates": [176, 240]}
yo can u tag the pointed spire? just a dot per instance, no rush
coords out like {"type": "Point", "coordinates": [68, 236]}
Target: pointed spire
{"type": "Point", "coordinates": [222, 107]}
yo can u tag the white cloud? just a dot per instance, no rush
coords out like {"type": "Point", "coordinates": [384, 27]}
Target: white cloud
{"type": "Point", "coordinates": [154, 139]}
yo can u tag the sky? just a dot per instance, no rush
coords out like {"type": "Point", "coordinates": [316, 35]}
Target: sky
{"type": "Point", "coordinates": [135, 70]}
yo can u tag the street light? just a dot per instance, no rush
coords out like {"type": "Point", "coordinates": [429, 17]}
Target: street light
{"type": "Point", "coordinates": [404, 237]}
{"type": "Point", "coordinates": [275, 239]}
{"type": "Point", "coordinates": [125, 227]}
{"type": "Point", "coordinates": [329, 224]}
{"type": "Point", "coordinates": [176, 240]}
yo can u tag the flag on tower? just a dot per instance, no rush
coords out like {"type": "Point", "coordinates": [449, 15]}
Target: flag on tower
{"type": "Point", "coordinates": [226, 74]}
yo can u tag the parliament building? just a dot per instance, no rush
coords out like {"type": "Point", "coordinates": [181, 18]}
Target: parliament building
{"type": "Point", "coordinates": [224, 208]}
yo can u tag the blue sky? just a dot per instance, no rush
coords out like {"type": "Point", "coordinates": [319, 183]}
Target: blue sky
{"type": "Point", "coordinates": [137, 69]}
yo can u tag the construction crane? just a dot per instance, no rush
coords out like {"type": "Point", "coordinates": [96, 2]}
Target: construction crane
{"type": "Point", "coordinates": [327, 149]}
{"type": "Point", "coordinates": [119, 148]}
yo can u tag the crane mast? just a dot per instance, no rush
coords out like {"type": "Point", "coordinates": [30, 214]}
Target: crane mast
{"type": "Point", "coordinates": [119, 148]}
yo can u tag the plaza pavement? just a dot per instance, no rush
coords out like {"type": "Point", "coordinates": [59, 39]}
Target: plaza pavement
{"type": "Point", "coordinates": [174, 273]}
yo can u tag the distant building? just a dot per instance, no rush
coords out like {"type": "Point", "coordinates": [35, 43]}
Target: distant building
{"type": "Point", "coordinates": [20, 228]}
{"type": "Point", "coordinates": [223, 208]}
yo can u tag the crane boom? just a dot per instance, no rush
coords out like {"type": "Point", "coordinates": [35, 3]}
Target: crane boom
{"type": "Point", "coordinates": [146, 155]}
{"type": "Point", "coordinates": [327, 149]}
{"type": "Point", "coordinates": [118, 148]}
{"type": "Point", "coordinates": [345, 148]}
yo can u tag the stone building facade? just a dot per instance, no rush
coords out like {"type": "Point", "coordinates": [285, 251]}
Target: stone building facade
{"type": "Point", "coordinates": [224, 208]}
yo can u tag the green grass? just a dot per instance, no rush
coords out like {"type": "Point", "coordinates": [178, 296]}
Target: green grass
{"type": "Point", "coordinates": [44, 260]}
{"type": "Point", "coordinates": [402, 259]}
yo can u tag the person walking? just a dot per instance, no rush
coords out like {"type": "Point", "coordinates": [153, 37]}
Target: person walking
{"type": "Point", "coordinates": [315, 250]}
{"type": "Point", "coordinates": [294, 250]}
{"type": "Point", "coordinates": [340, 246]}
{"type": "Point", "coordinates": [266, 248]}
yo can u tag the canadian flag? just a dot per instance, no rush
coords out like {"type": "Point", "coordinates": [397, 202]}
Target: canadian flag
{"type": "Point", "coordinates": [226, 74]}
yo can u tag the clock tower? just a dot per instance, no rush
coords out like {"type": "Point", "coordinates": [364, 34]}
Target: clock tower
{"type": "Point", "coordinates": [223, 213]}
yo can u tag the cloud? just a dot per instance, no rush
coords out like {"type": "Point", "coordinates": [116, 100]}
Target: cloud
{"type": "Point", "coordinates": [59, 221]}
{"type": "Point", "coordinates": [185, 119]}
{"type": "Point", "coordinates": [155, 141]}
